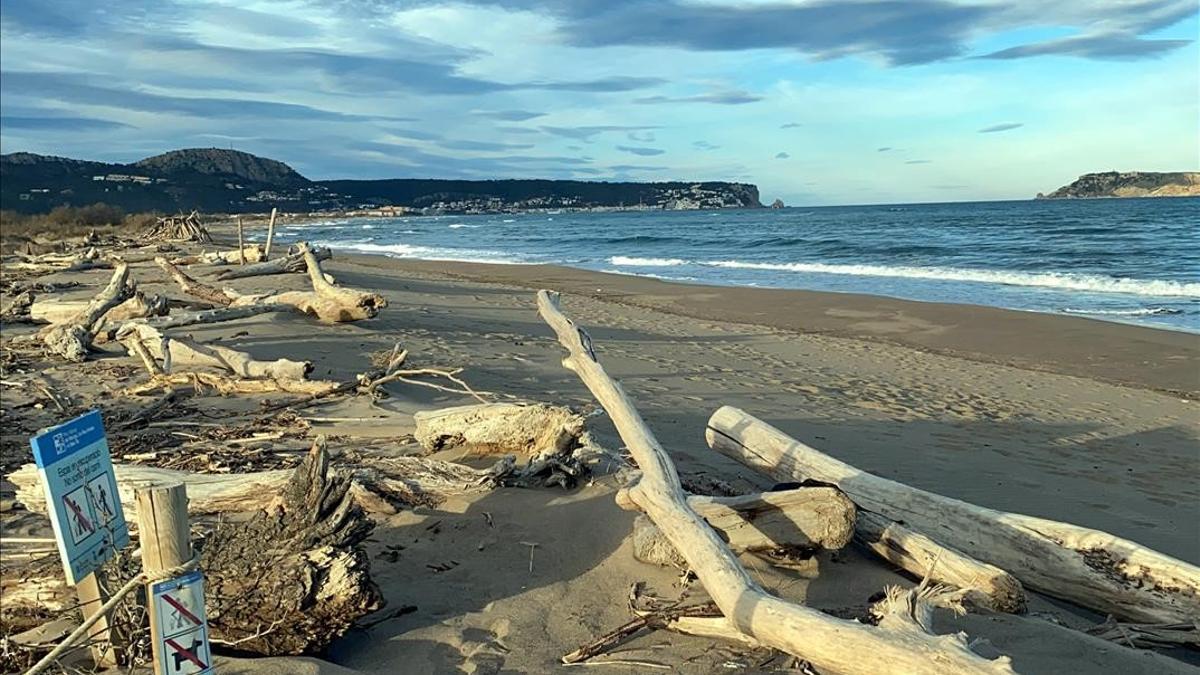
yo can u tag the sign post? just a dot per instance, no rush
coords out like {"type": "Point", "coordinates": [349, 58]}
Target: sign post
{"type": "Point", "coordinates": [85, 509]}
{"type": "Point", "coordinates": [178, 626]}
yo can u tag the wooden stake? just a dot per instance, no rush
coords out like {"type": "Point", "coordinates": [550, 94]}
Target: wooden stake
{"type": "Point", "coordinates": [270, 234]}
{"type": "Point", "coordinates": [241, 243]}
{"type": "Point", "coordinates": [166, 541]}
{"type": "Point", "coordinates": [91, 597]}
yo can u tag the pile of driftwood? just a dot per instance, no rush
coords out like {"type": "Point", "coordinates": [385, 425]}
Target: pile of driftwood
{"type": "Point", "coordinates": [179, 228]}
{"type": "Point", "coordinates": [312, 583]}
{"type": "Point", "coordinates": [966, 556]}
{"type": "Point", "coordinates": [282, 543]}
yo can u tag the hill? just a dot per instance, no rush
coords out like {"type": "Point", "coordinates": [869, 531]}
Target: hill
{"type": "Point", "coordinates": [228, 164]}
{"type": "Point", "coordinates": [229, 181]}
{"type": "Point", "coordinates": [1129, 184]}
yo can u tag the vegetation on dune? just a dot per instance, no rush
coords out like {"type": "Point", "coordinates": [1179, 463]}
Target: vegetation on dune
{"type": "Point", "coordinates": [69, 221]}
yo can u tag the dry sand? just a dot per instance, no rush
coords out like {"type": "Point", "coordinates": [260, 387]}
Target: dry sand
{"type": "Point", "coordinates": [1065, 418]}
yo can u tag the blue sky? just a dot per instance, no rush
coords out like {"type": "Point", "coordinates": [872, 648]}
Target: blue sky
{"type": "Point", "coordinates": [817, 102]}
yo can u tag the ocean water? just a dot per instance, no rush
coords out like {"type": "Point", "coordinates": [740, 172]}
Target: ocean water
{"type": "Point", "coordinates": [1129, 260]}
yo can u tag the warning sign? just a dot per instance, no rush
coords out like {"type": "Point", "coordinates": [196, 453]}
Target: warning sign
{"type": "Point", "coordinates": [81, 493]}
{"type": "Point", "coordinates": [182, 628]}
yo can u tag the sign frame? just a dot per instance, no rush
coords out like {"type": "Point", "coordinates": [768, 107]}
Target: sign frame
{"type": "Point", "coordinates": [180, 626]}
{"type": "Point", "coordinates": [76, 471]}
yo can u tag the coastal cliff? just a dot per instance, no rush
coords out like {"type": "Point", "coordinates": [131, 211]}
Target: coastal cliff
{"type": "Point", "coordinates": [1129, 184]}
{"type": "Point", "coordinates": [219, 180]}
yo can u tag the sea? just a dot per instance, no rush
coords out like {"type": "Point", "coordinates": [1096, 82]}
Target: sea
{"type": "Point", "coordinates": [1127, 260]}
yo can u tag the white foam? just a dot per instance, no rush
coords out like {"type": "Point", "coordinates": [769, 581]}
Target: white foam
{"type": "Point", "coordinates": [426, 252]}
{"type": "Point", "coordinates": [456, 226]}
{"type": "Point", "coordinates": [1143, 311]}
{"type": "Point", "coordinates": [1060, 280]}
{"type": "Point", "coordinates": [626, 261]}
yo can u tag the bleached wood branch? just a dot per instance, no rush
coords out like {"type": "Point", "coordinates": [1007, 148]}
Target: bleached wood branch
{"type": "Point", "coordinates": [833, 644]}
{"type": "Point", "coordinates": [1089, 567]}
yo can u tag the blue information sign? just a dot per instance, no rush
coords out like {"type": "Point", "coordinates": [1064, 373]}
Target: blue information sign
{"type": "Point", "coordinates": [81, 493]}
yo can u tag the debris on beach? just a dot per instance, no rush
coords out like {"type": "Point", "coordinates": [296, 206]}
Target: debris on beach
{"type": "Point", "coordinates": [281, 516]}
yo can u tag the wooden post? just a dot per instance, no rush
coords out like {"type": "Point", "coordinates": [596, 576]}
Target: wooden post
{"type": "Point", "coordinates": [166, 541]}
{"type": "Point", "coordinates": [241, 243]}
{"type": "Point", "coordinates": [270, 234]}
{"type": "Point", "coordinates": [91, 597]}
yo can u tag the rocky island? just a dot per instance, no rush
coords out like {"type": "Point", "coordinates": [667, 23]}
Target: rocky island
{"type": "Point", "coordinates": [229, 181]}
{"type": "Point", "coordinates": [1129, 184]}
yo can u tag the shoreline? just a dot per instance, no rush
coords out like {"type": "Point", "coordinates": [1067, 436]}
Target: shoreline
{"type": "Point", "coordinates": [1145, 357]}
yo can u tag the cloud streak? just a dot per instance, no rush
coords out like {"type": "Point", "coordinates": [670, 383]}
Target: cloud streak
{"type": "Point", "coordinates": [1006, 126]}
{"type": "Point", "coordinates": [641, 151]}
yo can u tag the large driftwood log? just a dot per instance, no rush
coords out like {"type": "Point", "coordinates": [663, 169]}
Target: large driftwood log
{"type": "Point", "coordinates": [535, 430]}
{"type": "Point", "coordinates": [1091, 568]}
{"type": "Point", "coordinates": [980, 584]}
{"type": "Point", "coordinates": [293, 262]}
{"type": "Point", "coordinates": [73, 338]}
{"type": "Point", "coordinates": [829, 643]}
{"type": "Point", "coordinates": [803, 518]}
{"type": "Point", "coordinates": [297, 577]}
{"type": "Point", "coordinates": [180, 319]}
{"type": "Point", "coordinates": [57, 310]}
{"type": "Point", "coordinates": [325, 301]}
{"type": "Point", "coordinates": [186, 354]}
{"type": "Point", "coordinates": [194, 288]}
{"type": "Point", "coordinates": [396, 480]}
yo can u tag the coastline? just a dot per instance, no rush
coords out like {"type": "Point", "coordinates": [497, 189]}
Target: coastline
{"type": "Point", "coordinates": [871, 381]}
{"type": "Point", "coordinates": [1119, 353]}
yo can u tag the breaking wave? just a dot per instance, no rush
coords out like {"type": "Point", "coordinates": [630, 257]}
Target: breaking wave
{"type": "Point", "coordinates": [1061, 280]}
{"type": "Point", "coordinates": [626, 261]}
{"type": "Point", "coordinates": [1142, 311]}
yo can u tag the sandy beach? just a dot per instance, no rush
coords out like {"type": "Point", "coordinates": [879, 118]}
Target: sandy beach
{"type": "Point", "coordinates": [1088, 422]}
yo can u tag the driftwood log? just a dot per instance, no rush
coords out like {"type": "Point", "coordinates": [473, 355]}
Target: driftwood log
{"type": "Point", "coordinates": [327, 302]}
{"type": "Point", "coordinates": [192, 287]}
{"type": "Point", "coordinates": [72, 339]}
{"type": "Point", "coordinates": [377, 480]}
{"type": "Point", "coordinates": [1091, 568]}
{"type": "Point", "coordinates": [204, 316]}
{"type": "Point", "coordinates": [901, 645]}
{"type": "Point", "coordinates": [552, 439]}
{"type": "Point", "coordinates": [252, 253]}
{"type": "Point", "coordinates": [803, 518]}
{"type": "Point", "coordinates": [499, 428]}
{"type": "Point", "coordinates": [57, 310]}
{"type": "Point", "coordinates": [185, 354]}
{"type": "Point", "coordinates": [980, 585]}
{"type": "Point", "coordinates": [293, 262]}
{"type": "Point", "coordinates": [295, 578]}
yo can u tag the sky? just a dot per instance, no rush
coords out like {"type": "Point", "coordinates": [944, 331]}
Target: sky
{"type": "Point", "coordinates": [816, 102]}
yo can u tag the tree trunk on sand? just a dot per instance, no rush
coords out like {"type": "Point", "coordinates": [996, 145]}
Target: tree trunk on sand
{"type": "Point", "coordinates": [804, 518]}
{"type": "Point", "coordinates": [903, 645]}
{"type": "Point", "coordinates": [194, 288]}
{"type": "Point", "coordinates": [325, 301]}
{"type": "Point", "coordinates": [205, 316]}
{"type": "Point", "coordinates": [54, 310]}
{"type": "Point", "coordinates": [378, 481]}
{"type": "Point", "coordinates": [184, 354]}
{"type": "Point", "coordinates": [72, 339]}
{"type": "Point", "coordinates": [293, 262]}
{"type": "Point", "coordinates": [1091, 568]}
{"type": "Point", "coordinates": [981, 585]}
{"type": "Point", "coordinates": [295, 578]}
